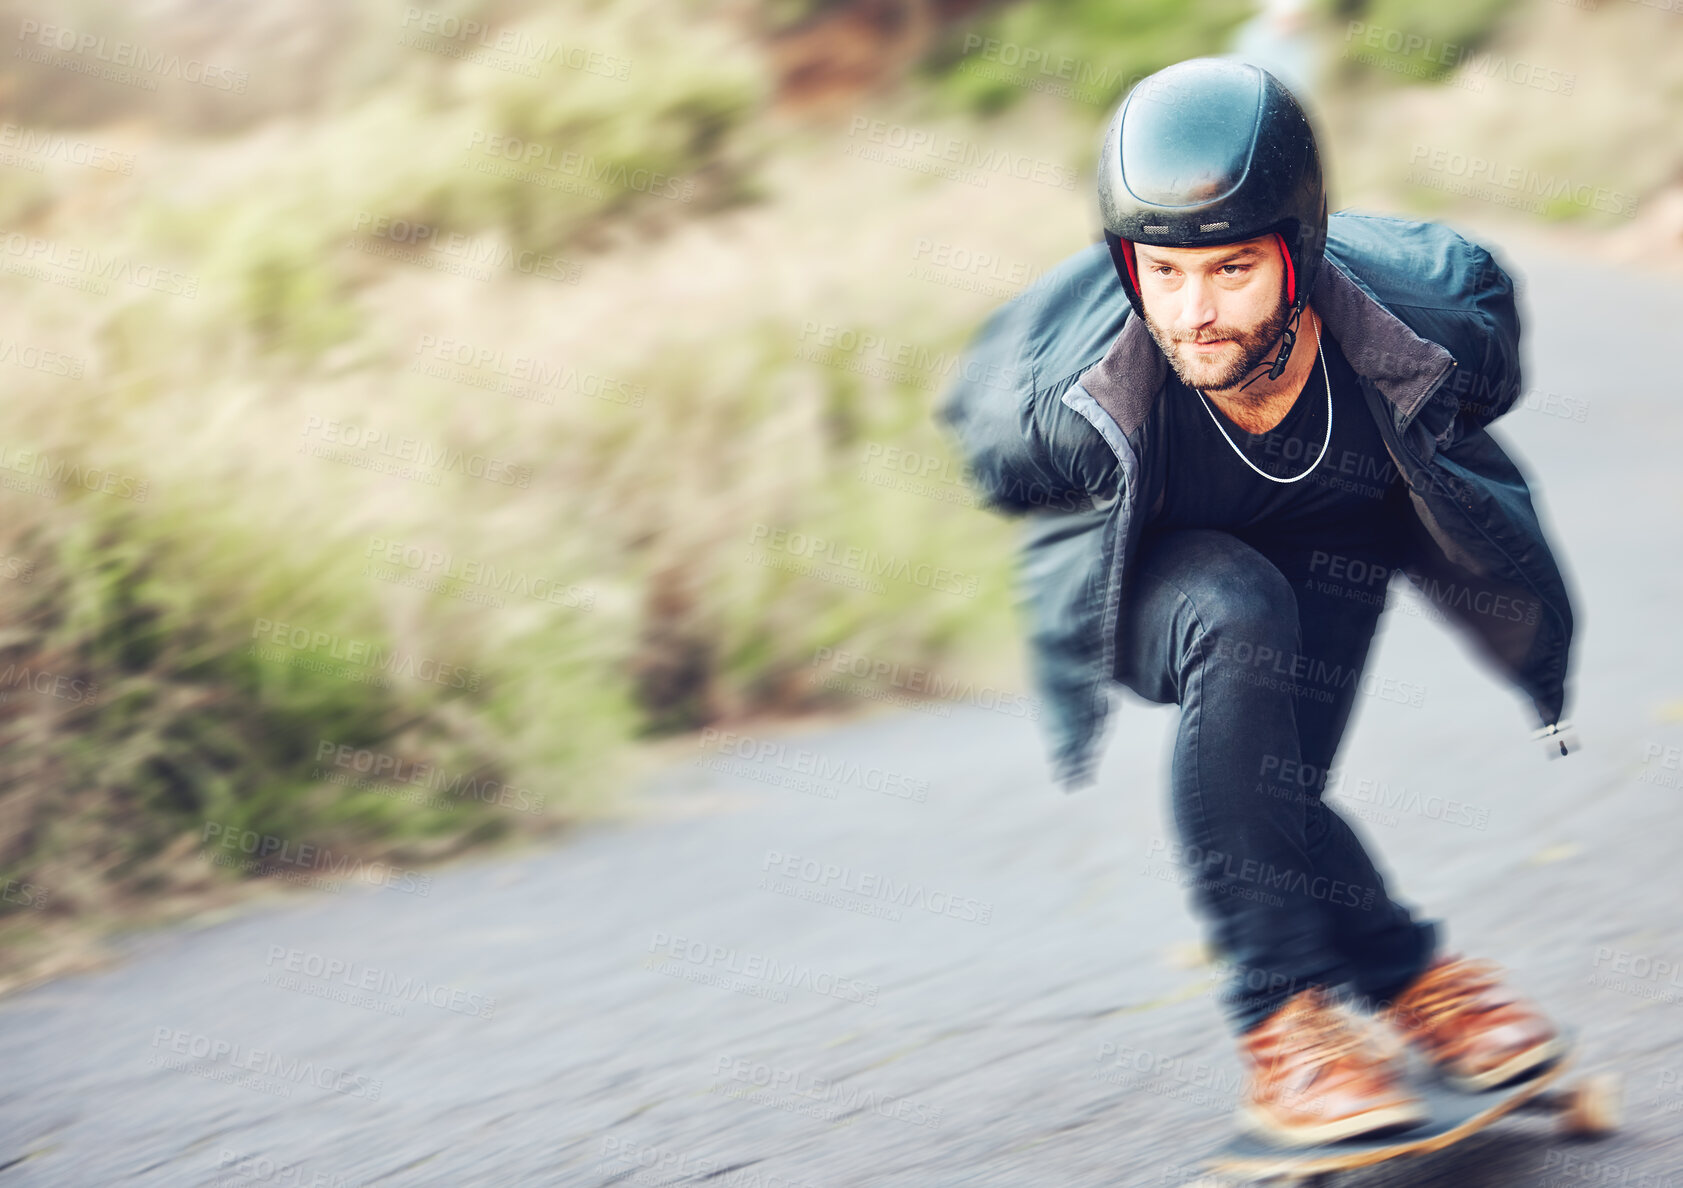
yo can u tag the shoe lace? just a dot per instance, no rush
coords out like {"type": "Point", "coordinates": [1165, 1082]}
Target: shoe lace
{"type": "Point", "coordinates": [1377, 1038]}
{"type": "Point", "coordinates": [1450, 991]}
{"type": "Point", "coordinates": [1325, 1034]}
{"type": "Point", "coordinates": [1311, 1040]}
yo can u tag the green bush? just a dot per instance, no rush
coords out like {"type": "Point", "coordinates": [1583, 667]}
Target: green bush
{"type": "Point", "coordinates": [1418, 41]}
{"type": "Point", "coordinates": [1096, 48]}
{"type": "Point", "coordinates": [136, 718]}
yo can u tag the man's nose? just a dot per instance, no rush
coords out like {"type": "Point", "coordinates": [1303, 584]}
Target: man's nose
{"type": "Point", "coordinates": [1198, 303]}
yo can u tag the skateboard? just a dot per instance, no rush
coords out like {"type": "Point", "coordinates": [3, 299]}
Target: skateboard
{"type": "Point", "coordinates": [1588, 1108]}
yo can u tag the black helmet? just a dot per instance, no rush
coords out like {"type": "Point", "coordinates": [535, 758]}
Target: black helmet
{"type": "Point", "coordinates": [1211, 151]}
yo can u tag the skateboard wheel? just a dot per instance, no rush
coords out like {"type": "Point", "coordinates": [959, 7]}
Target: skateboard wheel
{"type": "Point", "coordinates": [1592, 1108]}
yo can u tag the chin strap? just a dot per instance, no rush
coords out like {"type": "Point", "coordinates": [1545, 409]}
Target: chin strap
{"type": "Point", "coordinates": [1288, 339]}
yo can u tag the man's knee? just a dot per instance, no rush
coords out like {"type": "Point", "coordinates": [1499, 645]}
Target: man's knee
{"type": "Point", "coordinates": [1205, 595]}
{"type": "Point", "coordinates": [1253, 605]}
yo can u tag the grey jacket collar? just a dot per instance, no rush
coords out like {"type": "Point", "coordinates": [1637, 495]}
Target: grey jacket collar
{"type": "Point", "coordinates": [1378, 345]}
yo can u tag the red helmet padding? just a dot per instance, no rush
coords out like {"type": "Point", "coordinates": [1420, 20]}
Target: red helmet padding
{"type": "Point", "coordinates": [1291, 273]}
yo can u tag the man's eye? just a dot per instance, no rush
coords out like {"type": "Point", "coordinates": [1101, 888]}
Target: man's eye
{"type": "Point", "coordinates": [1237, 268]}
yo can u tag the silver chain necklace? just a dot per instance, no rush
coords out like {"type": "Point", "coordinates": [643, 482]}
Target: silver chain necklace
{"type": "Point", "coordinates": [1274, 478]}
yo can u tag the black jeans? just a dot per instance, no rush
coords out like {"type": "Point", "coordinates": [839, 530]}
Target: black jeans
{"type": "Point", "coordinates": [1264, 654]}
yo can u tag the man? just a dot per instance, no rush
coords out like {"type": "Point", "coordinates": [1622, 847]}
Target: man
{"type": "Point", "coordinates": [1219, 474]}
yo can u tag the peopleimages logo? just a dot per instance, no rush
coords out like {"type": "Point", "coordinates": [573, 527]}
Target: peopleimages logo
{"type": "Point", "coordinates": [804, 761]}
{"type": "Point", "coordinates": [379, 766]}
{"type": "Point", "coordinates": [536, 159]}
{"type": "Point", "coordinates": [453, 252]}
{"type": "Point", "coordinates": [653, 1165]}
{"type": "Point", "coordinates": [265, 850]}
{"type": "Point", "coordinates": [782, 976]}
{"type": "Point", "coordinates": [383, 445]}
{"type": "Point", "coordinates": [925, 682]}
{"type": "Point", "coordinates": [15, 677]}
{"type": "Point", "coordinates": [1217, 867]}
{"type": "Point", "coordinates": [833, 877]}
{"type": "Point", "coordinates": [523, 376]}
{"type": "Point", "coordinates": [516, 43]}
{"type": "Point", "coordinates": [1369, 798]}
{"type": "Point", "coordinates": [1433, 52]}
{"type": "Point", "coordinates": [437, 570]}
{"type": "Point", "coordinates": [28, 895]}
{"type": "Point", "coordinates": [33, 358]}
{"type": "Point", "coordinates": [87, 269]}
{"type": "Point", "coordinates": [946, 150]}
{"type": "Point", "coordinates": [348, 974]}
{"type": "Point", "coordinates": [792, 1089]}
{"type": "Point", "coordinates": [127, 54]}
{"type": "Point", "coordinates": [870, 353]}
{"type": "Point", "coordinates": [292, 639]}
{"type": "Point", "coordinates": [871, 564]}
{"type": "Point", "coordinates": [1034, 61]}
{"type": "Point", "coordinates": [1524, 182]}
{"type": "Point", "coordinates": [213, 1050]}
{"type": "Point", "coordinates": [28, 148]}
{"type": "Point", "coordinates": [250, 1167]}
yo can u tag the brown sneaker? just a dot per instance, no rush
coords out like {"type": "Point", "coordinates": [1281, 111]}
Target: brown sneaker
{"type": "Point", "coordinates": [1314, 1078]}
{"type": "Point", "coordinates": [1477, 1031]}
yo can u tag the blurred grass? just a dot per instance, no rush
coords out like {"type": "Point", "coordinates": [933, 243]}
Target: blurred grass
{"type": "Point", "coordinates": [1417, 40]}
{"type": "Point", "coordinates": [199, 394]}
{"type": "Point", "coordinates": [202, 399]}
{"type": "Point", "coordinates": [1568, 110]}
{"type": "Point", "coordinates": [1096, 47]}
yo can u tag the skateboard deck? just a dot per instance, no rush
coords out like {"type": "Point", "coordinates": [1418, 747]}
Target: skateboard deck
{"type": "Point", "coordinates": [1589, 1109]}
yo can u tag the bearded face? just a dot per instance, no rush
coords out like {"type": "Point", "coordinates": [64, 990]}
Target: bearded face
{"type": "Point", "coordinates": [1215, 313]}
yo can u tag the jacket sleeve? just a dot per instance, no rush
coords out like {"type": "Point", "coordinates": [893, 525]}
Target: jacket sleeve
{"type": "Point", "coordinates": [1492, 391]}
{"type": "Point", "coordinates": [1025, 449]}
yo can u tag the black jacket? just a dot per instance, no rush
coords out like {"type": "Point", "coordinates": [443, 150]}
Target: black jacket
{"type": "Point", "coordinates": [1052, 412]}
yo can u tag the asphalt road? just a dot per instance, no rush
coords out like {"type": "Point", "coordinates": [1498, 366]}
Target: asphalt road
{"type": "Point", "coordinates": [934, 968]}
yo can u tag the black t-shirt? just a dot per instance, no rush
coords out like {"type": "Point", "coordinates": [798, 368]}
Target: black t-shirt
{"type": "Point", "coordinates": [1343, 508]}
